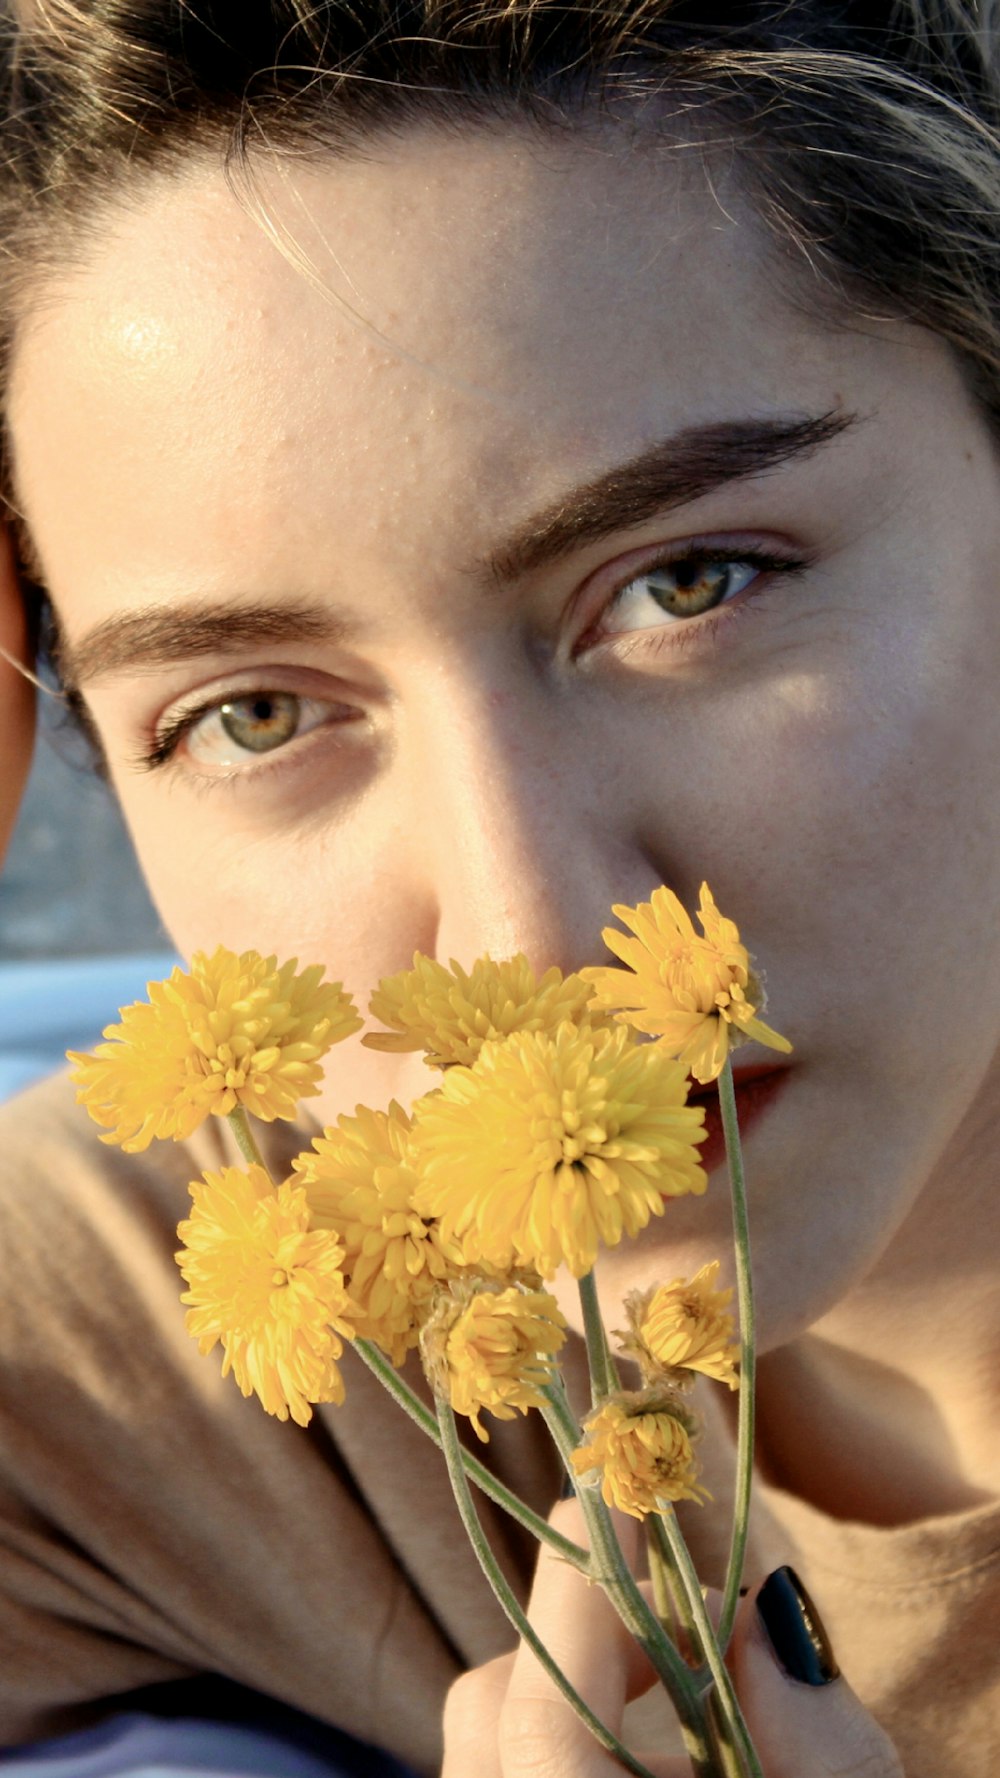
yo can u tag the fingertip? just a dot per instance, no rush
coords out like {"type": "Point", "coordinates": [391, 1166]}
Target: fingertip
{"type": "Point", "coordinates": [788, 1621]}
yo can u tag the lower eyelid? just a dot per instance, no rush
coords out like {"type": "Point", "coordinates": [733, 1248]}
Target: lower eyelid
{"type": "Point", "coordinates": [690, 636]}
{"type": "Point", "coordinates": [685, 634]}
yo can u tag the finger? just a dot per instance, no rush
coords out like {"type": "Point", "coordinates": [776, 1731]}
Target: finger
{"type": "Point", "coordinates": [16, 696]}
{"type": "Point", "coordinates": [539, 1730]}
{"type": "Point", "coordinates": [472, 1719]}
{"type": "Point", "coordinates": [804, 1718]}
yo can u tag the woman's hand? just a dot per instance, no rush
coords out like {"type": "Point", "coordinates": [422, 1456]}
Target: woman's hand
{"type": "Point", "coordinates": [507, 1720]}
{"type": "Point", "coordinates": [17, 702]}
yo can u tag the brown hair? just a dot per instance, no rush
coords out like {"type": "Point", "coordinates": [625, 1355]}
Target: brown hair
{"type": "Point", "coordinates": [867, 134]}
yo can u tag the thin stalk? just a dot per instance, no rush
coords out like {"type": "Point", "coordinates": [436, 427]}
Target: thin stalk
{"type": "Point", "coordinates": [603, 1376]}
{"type": "Point", "coordinates": [748, 1358]}
{"type": "Point", "coordinates": [611, 1571]}
{"type": "Point", "coordinates": [562, 1422]}
{"type": "Point", "coordinates": [453, 1457]}
{"type": "Point", "coordinates": [728, 1702]}
{"type": "Point", "coordinates": [663, 1570]}
{"type": "Point", "coordinates": [665, 1598]}
{"type": "Point", "coordinates": [726, 1752]}
{"type": "Point", "coordinates": [666, 1576]}
{"type": "Point", "coordinates": [239, 1123]}
{"type": "Point", "coordinates": [390, 1379]}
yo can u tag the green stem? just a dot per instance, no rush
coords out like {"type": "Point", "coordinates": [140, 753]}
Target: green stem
{"type": "Point", "coordinates": [239, 1123]}
{"type": "Point", "coordinates": [748, 1358]}
{"type": "Point", "coordinates": [453, 1457]}
{"type": "Point", "coordinates": [666, 1577]}
{"type": "Point", "coordinates": [390, 1379]}
{"type": "Point", "coordinates": [664, 1596]}
{"type": "Point", "coordinates": [667, 1584]}
{"type": "Point", "coordinates": [728, 1703]}
{"type": "Point", "coordinates": [603, 1376]}
{"type": "Point", "coordinates": [611, 1571]}
{"type": "Point", "coordinates": [726, 1752]}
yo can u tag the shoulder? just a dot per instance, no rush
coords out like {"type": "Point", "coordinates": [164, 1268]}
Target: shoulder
{"type": "Point", "coordinates": [135, 1477]}
{"type": "Point", "coordinates": [88, 1281]}
{"type": "Point", "coordinates": [66, 1197]}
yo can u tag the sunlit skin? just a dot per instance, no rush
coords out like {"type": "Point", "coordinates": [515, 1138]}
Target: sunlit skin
{"type": "Point", "coordinates": [488, 765]}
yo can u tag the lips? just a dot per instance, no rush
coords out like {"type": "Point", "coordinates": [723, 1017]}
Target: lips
{"type": "Point", "coordinates": [757, 1087]}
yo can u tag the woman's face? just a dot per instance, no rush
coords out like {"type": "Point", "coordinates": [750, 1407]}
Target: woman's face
{"type": "Point", "coordinates": [434, 522]}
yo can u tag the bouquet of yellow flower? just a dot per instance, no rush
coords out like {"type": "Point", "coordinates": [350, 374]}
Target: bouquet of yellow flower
{"type": "Point", "coordinates": [560, 1125]}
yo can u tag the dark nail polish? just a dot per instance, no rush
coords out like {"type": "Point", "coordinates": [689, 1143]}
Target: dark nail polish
{"type": "Point", "coordinates": [567, 1491]}
{"type": "Point", "coordinates": [795, 1629]}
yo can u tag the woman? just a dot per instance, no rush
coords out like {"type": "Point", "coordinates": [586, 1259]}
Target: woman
{"type": "Point", "coordinates": [485, 463]}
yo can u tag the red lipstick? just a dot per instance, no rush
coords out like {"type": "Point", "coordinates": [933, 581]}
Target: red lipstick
{"type": "Point", "coordinates": [757, 1087]}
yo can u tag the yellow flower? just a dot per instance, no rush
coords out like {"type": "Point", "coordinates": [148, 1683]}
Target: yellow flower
{"type": "Point", "coordinates": [684, 1326]}
{"type": "Point", "coordinates": [697, 995]}
{"type": "Point", "coordinates": [491, 1346]}
{"type": "Point", "coordinates": [549, 1146]}
{"type": "Point", "coordinates": [640, 1452]}
{"type": "Point", "coordinates": [451, 1013]}
{"type": "Point", "coordinates": [236, 1030]}
{"type": "Point", "coordinates": [269, 1287]}
{"type": "Point", "coordinates": [359, 1182]}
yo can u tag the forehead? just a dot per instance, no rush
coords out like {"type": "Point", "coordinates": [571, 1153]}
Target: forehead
{"type": "Point", "coordinates": [454, 252]}
{"type": "Point", "coordinates": [411, 342]}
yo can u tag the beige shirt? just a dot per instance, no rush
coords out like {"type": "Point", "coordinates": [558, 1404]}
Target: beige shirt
{"type": "Point", "coordinates": [155, 1525]}
{"type": "Point", "coordinates": [913, 1611]}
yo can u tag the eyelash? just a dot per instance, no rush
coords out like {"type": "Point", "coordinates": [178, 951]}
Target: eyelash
{"type": "Point", "coordinates": [168, 738]}
{"type": "Point", "coordinates": [677, 631]}
{"type": "Point", "coordinates": [670, 633]}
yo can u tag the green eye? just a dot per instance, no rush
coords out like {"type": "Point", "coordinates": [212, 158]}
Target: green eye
{"type": "Point", "coordinates": [688, 588]}
{"type": "Point", "coordinates": [233, 731]}
{"type": "Point", "coordinates": [668, 594]}
{"type": "Point", "coordinates": [262, 721]}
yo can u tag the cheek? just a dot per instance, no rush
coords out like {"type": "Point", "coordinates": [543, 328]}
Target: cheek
{"type": "Point", "coordinates": [294, 896]}
{"type": "Point", "coordinates": [315, 889]}
{"type": "Point", "coordinates": [292, 890]}
{"type": "Point", "coordinates": [869, 864]}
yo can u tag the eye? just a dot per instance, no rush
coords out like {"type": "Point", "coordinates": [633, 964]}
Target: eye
{"type": "Point", "coordinates": [688, 587]}
{"type": "Point", "coordinates": [258, 723]}
{"type": "Point", "coordinates": [236, 730]}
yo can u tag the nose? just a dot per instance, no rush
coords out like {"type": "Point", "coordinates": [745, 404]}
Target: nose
{"type": "Point", "coordinates": [528, 830]}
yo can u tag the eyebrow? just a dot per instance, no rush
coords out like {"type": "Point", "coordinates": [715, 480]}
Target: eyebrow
{"type": "Point", "coordinates": [134, 640]}
{"type": "Point", "coordinates": [671, 473]}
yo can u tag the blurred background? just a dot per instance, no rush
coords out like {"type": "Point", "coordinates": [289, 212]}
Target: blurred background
{"type": "Point", "coordinates": [71, 886]}
{"type": "Point", "coordinates": [79, 936]}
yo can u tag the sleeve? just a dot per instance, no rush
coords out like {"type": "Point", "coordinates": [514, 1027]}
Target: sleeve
{"type": "Point", "coordinates": [154, 1524]}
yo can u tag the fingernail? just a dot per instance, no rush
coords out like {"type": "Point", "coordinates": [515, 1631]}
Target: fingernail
{"type": "Point", "coordinates": [795, 1629]}
{"type": "Point", "coordinates": [568, 1489]}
